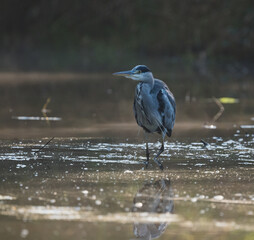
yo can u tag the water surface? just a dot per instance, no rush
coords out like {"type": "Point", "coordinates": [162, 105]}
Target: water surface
{"type": "Point", "coordinates": [96, 188]}
{"type": "Point", "coordinates": [89, 182]}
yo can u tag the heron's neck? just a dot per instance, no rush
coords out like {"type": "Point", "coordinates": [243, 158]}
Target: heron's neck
{"type": "Point", "coordinates": [149, 80]}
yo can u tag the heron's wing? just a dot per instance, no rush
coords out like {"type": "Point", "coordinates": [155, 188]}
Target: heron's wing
{"type": "Point", "coordinates": [139, 107]}
{"type": "Point", "coordinates": [154, 109]}
{"type": "Point", "coordinates": [166, 105]}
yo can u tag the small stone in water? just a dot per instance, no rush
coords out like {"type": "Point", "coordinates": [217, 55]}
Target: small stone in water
{"type": "Point", "coordinates": [202, 211]}
{"type": "Point", "coordinates": [24, 233]}
{"type": "Point", "coordinates": [218, 197]}
{"type": "Point", "coordinates": [85, 192]}
{"type": "Point", "coordinates": [202, 197]}
{"type": "Point", "coordinates": [238, 194]}
{"type": "Point", "coordinates": [138, 204]}
{"type": "Point", "coordinates": [250, 213]}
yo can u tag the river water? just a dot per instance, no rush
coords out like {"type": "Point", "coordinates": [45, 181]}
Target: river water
{"type": "Point", "coordinates": [83, 176]}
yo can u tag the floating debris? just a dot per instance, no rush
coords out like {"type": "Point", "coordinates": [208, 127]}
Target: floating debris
{"type": "Point", "coordinates": [98, 202]}
{"type": "Point", "coordinates": [20, 166]}
{"type": "Point", "coordinates": [138, 204]}
{"type": "Point", "coordinates": [228, 100]}
{"type": "Point", "coordinates": [24, 233]}
{"type": "Point", "coordinates": [3, 197]}
{"type": "Point", "coordinates": [128, 171]}
{"type": "Point", "coordinates": [247, 126]}
{"type": "Point", "coordinates": [210, 126]}
{"type": "Point", "coordinates": [31, 118]}
{"type": "Point", "coordinates": [85, 192]}
{"type": "Point", "coordinates": [194, 199]}
{"type": "Point", "coordinates": [218, 197]}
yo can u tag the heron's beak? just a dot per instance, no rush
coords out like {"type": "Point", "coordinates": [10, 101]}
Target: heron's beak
{"type": "Point", "coordinates": [124, 73]}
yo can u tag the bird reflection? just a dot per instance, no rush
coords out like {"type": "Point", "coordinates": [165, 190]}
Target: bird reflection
{"type": "Point", "coordinates": [153, 197]}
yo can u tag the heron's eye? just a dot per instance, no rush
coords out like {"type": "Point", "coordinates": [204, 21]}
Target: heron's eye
{"type": "Point", "coordinates": [138, 72]}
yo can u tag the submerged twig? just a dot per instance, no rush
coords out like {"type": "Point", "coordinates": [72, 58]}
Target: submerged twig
{"type": "Point", "coordinates": [210, 124]}
{"type": "Point", "coordinates": [218, 114]}
{"type": "Point", "coordinates": [204, 142]}
{"type": "Point", "coordinates": [44, 110]}
{"type": "Point", "coordinates": [44, 145]}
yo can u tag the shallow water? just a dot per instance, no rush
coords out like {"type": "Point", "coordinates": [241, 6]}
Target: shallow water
{"type": "Point", "coordinates": [94, 185]}
{"type": "Point", "coordinates": [96, 188]}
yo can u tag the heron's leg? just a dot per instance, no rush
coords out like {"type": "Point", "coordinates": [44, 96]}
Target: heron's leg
{"type": "Point", "coordinates": [147, 155]}
{"type": "Point", "coordinates": [147, 150]}
{"type": "Point", "coordinates": [159, 153]}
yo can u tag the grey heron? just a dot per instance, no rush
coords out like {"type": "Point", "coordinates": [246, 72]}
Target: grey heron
{"type": "Point", "coordinates": [154, 105]}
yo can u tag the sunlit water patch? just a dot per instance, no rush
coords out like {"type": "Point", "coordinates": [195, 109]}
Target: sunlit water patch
{"type": "Point", "coordinates": [237, 150]}
{"type": "Point", "coordinates": [84, 182]}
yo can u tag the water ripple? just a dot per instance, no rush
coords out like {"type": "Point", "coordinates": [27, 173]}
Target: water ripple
{"type": "Point", "coordinates": [235, 151]}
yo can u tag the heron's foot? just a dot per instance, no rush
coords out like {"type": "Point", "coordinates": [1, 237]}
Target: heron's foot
{"type": "Point", "coordinates": [161, 167]}
{"type": "Point", "coordinates": [146, 164]}
{"type": "Point", "coordinates": [147, 158]}
{"type": "Point", "coordinates": [159, 164]}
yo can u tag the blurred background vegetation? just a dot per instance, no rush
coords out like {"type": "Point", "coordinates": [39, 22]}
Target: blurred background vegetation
{"type": "Point", "coordinates": [66, 51]}
{"type": "Point", "coordinates": [98, 35]}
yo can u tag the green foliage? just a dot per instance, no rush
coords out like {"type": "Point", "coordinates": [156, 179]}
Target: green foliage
{"type": "Point", "coordinates": [53, 34]}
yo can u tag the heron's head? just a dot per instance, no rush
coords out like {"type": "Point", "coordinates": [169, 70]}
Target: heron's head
{"type": "Point", "coordinates": [139, 73]}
